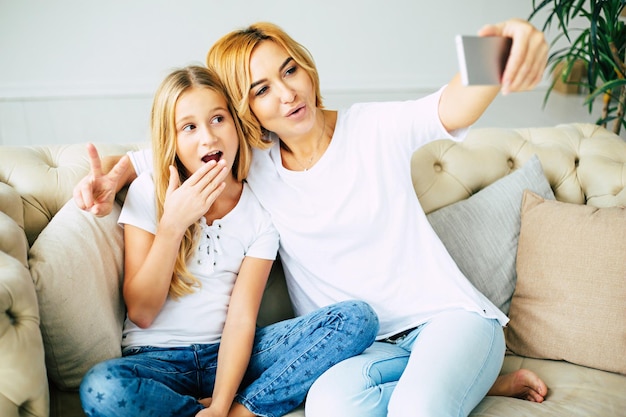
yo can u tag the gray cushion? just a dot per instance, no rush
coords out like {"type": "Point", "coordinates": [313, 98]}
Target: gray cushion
{"type": "Point", "coordinates": [481, 232]}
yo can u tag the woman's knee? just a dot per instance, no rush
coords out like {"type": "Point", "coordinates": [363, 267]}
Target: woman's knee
{"type": "Point", "coordinates": [339, 392]}
{"type": "Point", "coordinates": [358, 386]}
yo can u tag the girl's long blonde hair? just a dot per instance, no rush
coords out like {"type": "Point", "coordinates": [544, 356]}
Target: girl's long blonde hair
{"type": "Point", "coordinates": [163, 130]}
{"type": "Point", "coordinates": [230, 58]}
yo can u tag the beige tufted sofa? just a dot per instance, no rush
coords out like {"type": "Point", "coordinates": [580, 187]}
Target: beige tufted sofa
{"type": "Point", "coordinates": [584, 164]}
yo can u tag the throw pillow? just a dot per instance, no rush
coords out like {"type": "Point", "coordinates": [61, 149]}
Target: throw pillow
{"type": "Point", "coordinates": [570, 299]}
{"type": "Point", "coordinates": [76, 264]}
{"type": "Point", "coordinates": [481, 232]}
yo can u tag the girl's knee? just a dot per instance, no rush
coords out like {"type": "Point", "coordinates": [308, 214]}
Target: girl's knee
{"type": "Point", "coordinates": [359, 320]}
{"type": "Point", "coordinates": [97, 389]}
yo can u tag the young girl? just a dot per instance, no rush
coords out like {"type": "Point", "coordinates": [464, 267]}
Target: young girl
{"type": "Point", "coordinates": [198, 251]}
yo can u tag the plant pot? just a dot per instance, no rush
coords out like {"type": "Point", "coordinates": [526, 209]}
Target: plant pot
{"type": "Point", "coordinates": [571, 85]}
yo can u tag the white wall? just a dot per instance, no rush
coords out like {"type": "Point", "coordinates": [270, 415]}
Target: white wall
{"type": "Point", "coordinates": [77, 70]}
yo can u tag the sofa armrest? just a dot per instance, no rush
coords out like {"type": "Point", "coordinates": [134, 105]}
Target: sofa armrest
{"type": "Point", "coordinates": [23, 381]}
{"type": "Point", "coordinates": [12, 238]}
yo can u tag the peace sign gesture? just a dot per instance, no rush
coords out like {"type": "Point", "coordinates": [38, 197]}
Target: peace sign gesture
{"type": "Point", "coordinates": [96, 192]}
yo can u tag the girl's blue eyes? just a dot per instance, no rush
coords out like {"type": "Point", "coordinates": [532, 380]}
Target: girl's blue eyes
{"type": "Point", "coordinates": [215, 120]}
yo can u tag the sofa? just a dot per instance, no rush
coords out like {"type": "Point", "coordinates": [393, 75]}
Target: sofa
{"type": "Point", "coordinates": [535, 217]}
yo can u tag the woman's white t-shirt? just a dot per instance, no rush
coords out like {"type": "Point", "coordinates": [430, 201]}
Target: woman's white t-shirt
{"type": "Point", "coordinates": [199, 317]}
{"type": "Point", "coordinates": [351, 227]}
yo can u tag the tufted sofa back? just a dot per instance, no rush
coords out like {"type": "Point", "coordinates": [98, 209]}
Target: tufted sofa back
{"type": "Point", "coordinates": [44, 177]}
{"type": "Point", "coordinates": [584, 164]}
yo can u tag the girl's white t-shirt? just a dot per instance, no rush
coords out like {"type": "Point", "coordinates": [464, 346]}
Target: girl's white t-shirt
{"type": "Point", "coordinates": [199, 318]}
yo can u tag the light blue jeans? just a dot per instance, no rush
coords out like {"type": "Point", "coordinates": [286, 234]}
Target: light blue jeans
{"type": "Point", "coordinates": [286, 358]}
{"type": "Point", "coordinates": [442, 368]}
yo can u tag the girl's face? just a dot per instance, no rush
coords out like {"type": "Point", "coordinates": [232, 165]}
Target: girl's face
{"type": "Point", "coordinates": [205, 129]}
{"type": "Point", "coordinates": [281, 95]}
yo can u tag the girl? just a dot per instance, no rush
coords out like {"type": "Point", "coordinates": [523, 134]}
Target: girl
{"type": "Point", "coordinates": [198, 251]}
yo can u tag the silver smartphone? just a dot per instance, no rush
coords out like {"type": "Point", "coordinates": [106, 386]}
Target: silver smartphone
{"type": "Point", "coordinates": [482, 58]}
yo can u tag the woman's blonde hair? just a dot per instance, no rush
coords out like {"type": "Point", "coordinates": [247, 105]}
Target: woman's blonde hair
{"type": "Point", "coordinates": [230, 58]}
{"type": "Point", "coordinates": [163, 130]}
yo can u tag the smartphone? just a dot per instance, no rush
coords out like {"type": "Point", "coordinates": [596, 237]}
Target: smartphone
{"type": "Point", "coordinates": [482, 58]}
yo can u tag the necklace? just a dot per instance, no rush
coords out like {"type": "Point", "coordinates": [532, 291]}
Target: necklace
{"type": "Point", "coordinates": [310, 160]}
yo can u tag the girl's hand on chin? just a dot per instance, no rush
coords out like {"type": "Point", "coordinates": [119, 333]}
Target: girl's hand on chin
{"type": "Point", "coordinates": [185, 203]}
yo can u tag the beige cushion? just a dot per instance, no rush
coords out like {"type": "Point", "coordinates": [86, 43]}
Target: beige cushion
{"type": "Point", "coordinates": [76, 264]}
{"type": "Point", "coordinates": [570, 299]}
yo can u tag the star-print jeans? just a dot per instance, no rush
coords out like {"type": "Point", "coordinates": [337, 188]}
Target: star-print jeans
{"type": "Point", "coordinates": [286, 359]}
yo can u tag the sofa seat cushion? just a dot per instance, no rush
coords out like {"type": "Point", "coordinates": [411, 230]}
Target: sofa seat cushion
{"type": "Point", "coordinates": [76, 264]}
{"type": "Point", "coordinates": [573, 391]}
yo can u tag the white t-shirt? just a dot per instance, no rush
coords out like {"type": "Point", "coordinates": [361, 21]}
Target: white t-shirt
{"type": "Point", "coordinates": [199, 317]}
{"type": "Point", "coordinates": [351, 227]}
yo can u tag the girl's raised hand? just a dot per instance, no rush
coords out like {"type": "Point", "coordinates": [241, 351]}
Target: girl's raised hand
{"type": "Point", "coordinates": [96, 192]}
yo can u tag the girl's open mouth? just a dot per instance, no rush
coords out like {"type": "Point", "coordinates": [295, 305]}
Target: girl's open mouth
{"type": "Point", "coordinates": [212, 157]}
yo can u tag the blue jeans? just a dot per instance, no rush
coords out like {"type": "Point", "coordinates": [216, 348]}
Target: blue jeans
{"type": "Point", "coordinates": [443, 368]}
{"type": "Point", "coordinates": [286, 359]}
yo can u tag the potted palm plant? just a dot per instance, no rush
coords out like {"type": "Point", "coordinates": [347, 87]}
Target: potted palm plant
{"type": "Point", "coordinates": [595, 36]}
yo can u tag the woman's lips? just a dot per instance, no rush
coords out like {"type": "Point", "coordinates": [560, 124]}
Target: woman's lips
{"type": "Point", "coordinates": [295, 111]}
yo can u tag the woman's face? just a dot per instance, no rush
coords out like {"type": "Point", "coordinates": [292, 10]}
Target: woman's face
{"type": "Point", "coordinates": [205, 129]}
{"type": "Point", "coordinates": [281, 95]}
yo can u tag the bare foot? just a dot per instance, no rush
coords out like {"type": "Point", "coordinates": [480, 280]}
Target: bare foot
{"type": "Point", "coordinates": [523, 384]}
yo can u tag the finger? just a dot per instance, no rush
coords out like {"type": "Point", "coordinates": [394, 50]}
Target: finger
{"type": "Point", "coordinates": [532, 67]}
{"type": "Point", "coordinates": [120, 168]}
{"type": "Point", "coordinates": [174, 181]}
{"type": "Point", "coordinates": [490, 30]}
{"type": "Point", "coordinates": [97, 210]}
{"type": "Point", "coordinates": [78, 197]}
{"type": "Point", "coordinates": [94, 160]}
{"type": "Point", "coordinates": [86, 192]}
{"type": "Point", "coordinates": [200, 176]}
{"type": "Point", "coordinates": [215, 193]}
{"type": "Point", "coordinates": [540, 63]}
{"type": "Point", "coordinates": [214, 178]}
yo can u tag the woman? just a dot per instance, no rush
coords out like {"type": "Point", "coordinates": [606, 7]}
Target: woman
{"type": "Point", "coordinates": [197, 258]}
{"type": "Point", "coordinates": [338, 188]}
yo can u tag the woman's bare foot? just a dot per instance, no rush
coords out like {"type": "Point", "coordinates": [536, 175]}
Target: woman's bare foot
{"type": "Point", "coordinates": [523, 384]}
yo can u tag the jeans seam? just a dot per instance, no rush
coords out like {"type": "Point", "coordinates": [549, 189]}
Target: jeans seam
{"type": "Point", "coordinates": [481, 371]}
